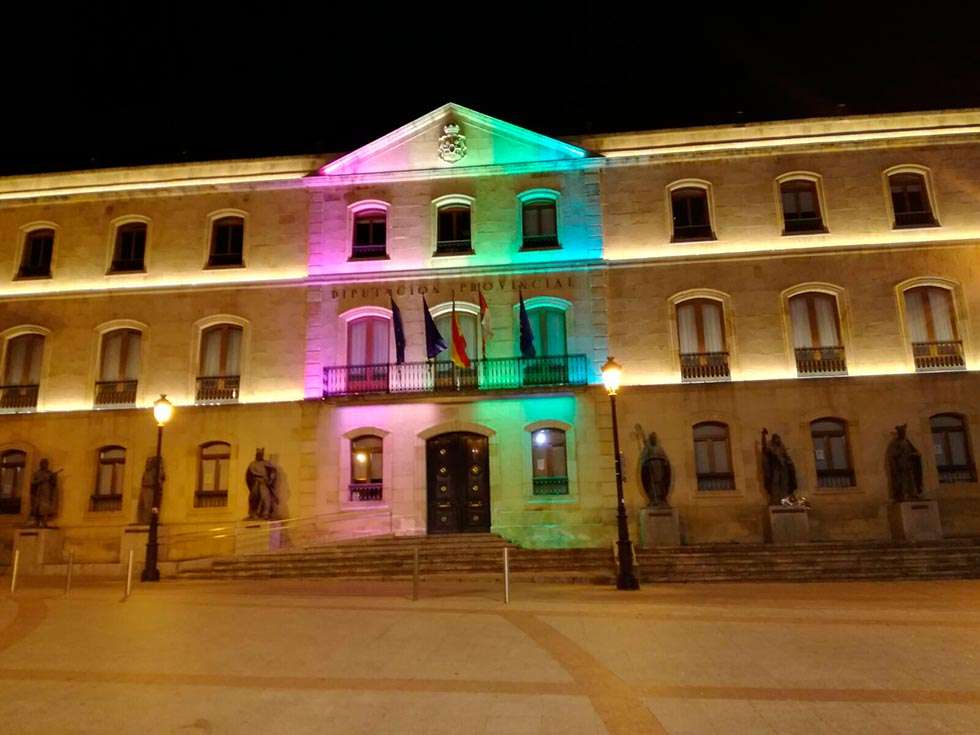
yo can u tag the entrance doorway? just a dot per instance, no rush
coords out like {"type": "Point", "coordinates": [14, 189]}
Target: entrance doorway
{"type": "Point", "coordinates": [458, 481]}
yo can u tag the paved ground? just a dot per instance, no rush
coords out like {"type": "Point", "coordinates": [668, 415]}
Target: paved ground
{"type": "Point", "coordinates": [316, 657]}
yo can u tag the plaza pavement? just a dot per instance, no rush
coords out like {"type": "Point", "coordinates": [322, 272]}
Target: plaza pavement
{"type": "Point", "coordinates": [312, 656]}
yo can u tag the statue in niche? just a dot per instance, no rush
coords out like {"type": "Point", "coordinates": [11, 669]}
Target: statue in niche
{"type": "Point", "coordinates": [904, 467]}
{"type": "Point", "coordinates": [144, 508]}
{"type": "Point", "coordinates": [654, 470]}
{"type": "Point", "coordinates": [779, 473]}
{"type": "Point", "coordinates": [260, 477]}
{"type": "Point", "coordinates": [44, 494]}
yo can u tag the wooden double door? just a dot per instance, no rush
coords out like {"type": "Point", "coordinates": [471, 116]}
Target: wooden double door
{"type": "Point", "coordinates": [458, 481]}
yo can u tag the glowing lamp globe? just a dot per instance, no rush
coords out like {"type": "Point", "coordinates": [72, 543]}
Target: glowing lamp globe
{"type": "Point", "coordinates": [163, 410]}
{"type": "Point", "coordinates": [612, 372]}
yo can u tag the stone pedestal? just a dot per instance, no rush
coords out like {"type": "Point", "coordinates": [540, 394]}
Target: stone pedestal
{"type": "Point", "coordinates": [39, 546]}
{"type": "Point", "coordinates": [134, 538]}
{"type": "Point", "coordinates": [788, 525]}
{"type": "Point", "coordinates": [915, 520]}
{"type": "Point", "coordinates": [659, 527]}
{"type": "Point", "coordinates": [259, 536]}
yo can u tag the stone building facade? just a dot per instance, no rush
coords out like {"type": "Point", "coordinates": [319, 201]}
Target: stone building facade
{"type": "Point", "coordinates": [815, 278]}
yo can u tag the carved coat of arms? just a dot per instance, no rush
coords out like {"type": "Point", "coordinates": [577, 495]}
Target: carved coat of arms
{"type": "Point", "coordinates": [452, 144]}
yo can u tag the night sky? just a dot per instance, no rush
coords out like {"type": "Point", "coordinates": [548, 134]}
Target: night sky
{"type": "Point", "coordinates": [129, 83]}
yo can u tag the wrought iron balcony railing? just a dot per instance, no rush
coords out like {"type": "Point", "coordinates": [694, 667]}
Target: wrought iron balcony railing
{"type": "Point", "coordinates": [507, 373]}
{"type": "Point", "coordinates": [835, 478]}
{"type": "Point", "coordinates": [454, 247]}
{"type": "Point", "coordinates": [914, 219]}
{"type": "Point", "coordinates": [115, 393]}
{"type": "Point", "coordinates": [820, 361]}
{"type": "Point", "coordinates": [218, 389]}
{"type": "Point", "coordinates": [550, 485]}
{"type": "Point", "coordinates": [105, 503]}
{"type": "Point", "coordinates": [14, 398]}
{"type": "Point", "coordinates": [957, 473]}
{"type": "Point", "coordinates": [10, 505]}
{"type": "Point", "coordinates": [701, 367]}
{"type": "Point", "coordinates": [365, 491]}
{"type": "Point", "coordinates": [210, 498]}
{"type": "Point", "coordinates": [938, 356]}
{"type": "Point", "coordinates": [368, 250]}
{"type": "Point", "coordinates": [716, 481]}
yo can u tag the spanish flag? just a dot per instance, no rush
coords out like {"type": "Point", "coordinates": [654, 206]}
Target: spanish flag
{"type": "Point", "coordinates": [457, 348]}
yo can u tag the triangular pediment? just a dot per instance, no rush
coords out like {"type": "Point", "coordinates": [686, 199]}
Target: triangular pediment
{"type": "Point", "coordinates": [453, 137]}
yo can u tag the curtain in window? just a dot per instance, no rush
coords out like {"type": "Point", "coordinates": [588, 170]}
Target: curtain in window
{"type": "Point", "coordinates": [687, 329]}
{"type": "Point", "coordinates": [915, 316]}
{"type": "Point", "coordinates": [367, 341]}
{"type": "Point", "coordinates": [825, 306]}
{"type": "Point", "coordinates": [467, 325]}
{"type": "Point", "coordinates": [554, 330]}
{"type": "Point", "coordinates": [211, 346]}
{"type": "Point", "coordinates": [714, 336]}
{"type": "Point", "coordinates": [24, 360]}
{"type": "Point", "coordinates": [233, 351]}
{"type": "Point", "coordinates": [941, 307]}
{"type": "Point", "coordinates": [114, 345]}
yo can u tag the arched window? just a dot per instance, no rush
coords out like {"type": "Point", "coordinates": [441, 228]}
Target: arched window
{"type": "Point", "coordinates": [212, 475]}
{"type": "Point", "coordinates": [816, 334]}
{"type": "Point", "coordinates": [951, 446]}
{"type": "Point", "coordinates": [801, 206]}
{"type": "Point", "coordinates": [548, 328]}
{"type": "Point", "coordinates": [129, 249]}
{"type": "Point", "coordinates": [930, 320]}
{"type": "Point", "coordinates": [227, 241]}
{"type": "Point", "coordinates": [12, 469]}
{"type": "Point", "coordinates": [35, 261]}
{"type": "Point", "coordinates": [910, 200]}
{"type": "Point", "coordinates": [370, 234]}
{"type": "Point", "coordinates": [219, 371]}
{"type": "Point", "coordinates": [713, 456]}
{"type": "Point", "coordinates": [109, 479]}
{"type": "Point", "coordinates": [701, 337]}
{"type": "Point", "coordinates": [539, 221]}
{"type": "Point", "coordinates": [691, 214]}
{"type": "Point", "coordinates": [21, 372]}
{"type": "Point", "coordinates": [366, 468]}
{"type": "Point", "coordinates": [367, 354]}
{"type": "Point", "coordinates": [119, 368]}
{"type": "Point", "coordinates": [453, 230]}
{"type": "Point", "coordinates": [832, 453]}
{"type": "Point", "coordinates": [549, 462]}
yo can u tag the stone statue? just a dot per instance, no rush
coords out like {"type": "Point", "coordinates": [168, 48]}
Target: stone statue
{"type": "Point", "coordinates": [654, 470]}
{"type": "Point", "coordinates": [779, 473]}
{"type": "Point", "coordinates": [44, 494]}
{"type": "Point", "coordinates": [904, 467]}
{"type": "Point", "coordinates": [148, 489]}
{"type": "Point", "coordinates": [260, 477]}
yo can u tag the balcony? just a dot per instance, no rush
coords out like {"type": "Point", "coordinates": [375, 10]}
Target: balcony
{"type": "Point", "coordinates": [938, 356]}
{"type": "Point", "coordinates": [210, 498]}
{"type": "Point", "coordinates": [361, 492]}
{"type": "Point", "coordinates": [914, 219]}
{"type": "Point", "coordinates": [115, 393]}
{"type": "Point", "coordinates": [454, 247]}
{"type": "Point", "coordinates": [105, 503]}
{"type": "Point", "coordinates": [218, 389]}
{"type": "Point", "coordinates": [550, 486]}
{"type": "Point", "coordinates": [10, 505]}
{"type": "Point", "coordinates": [18, 398]}
{"type": "Point", "coordinates": [704, 367]}
{"type": "Point", "coordinates": [835, 478]}
{"type": "Point", "coordinates": [368, 250]}
{"type": "Point", "coordinates": [957, 473]}
{"type": "Point", "coordinates": [716, 481]}
{"type": "Point", "coordinates": [508, 373]}
{"type": "Point", "coordinates": [812, 361]}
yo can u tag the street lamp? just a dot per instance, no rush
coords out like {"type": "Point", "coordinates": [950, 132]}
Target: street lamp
{"type": "Point", "coordinates": [163, 410]}
{"type": "Point", "coordinates": [612, 371]}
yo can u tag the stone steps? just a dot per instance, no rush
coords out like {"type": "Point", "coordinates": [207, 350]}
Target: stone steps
{"type": "Point", "coordinates": [479, 557]}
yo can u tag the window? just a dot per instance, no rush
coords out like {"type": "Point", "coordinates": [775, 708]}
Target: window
{"type": "Point", "coordinates": [816, 334]}
{"type": "Point", "coordinates": [22, 372]}
{"type": "Point", "coordinates": [119, 368]}
{"type": "Point", "coordinates": [35, 261]}
{"type": "Point", "coordinates": [227, 238]}
{"type": "Point", "coordinates": [453, 230]}
{"type": "Point", "coordinates": [549, 462]}
{"type": "Point", "coordinates": [366, 468]}
{"type": "Point", "coordinates": [548, 326]}
{"type": "Point", "coordinates": [109, 479]}
{"type": "Point", "coordinates": [910, 200]}
{"type": "Point", "coordinates": [701, 337]}
{"type": "Point", "coordinates": [801, 207]}
{"type": "Point", "coordinates": [713, 457]}
{"type": "Point", "coordinates": [951, 446]}
{"type": "Point", "coordinates": [127, 256]}
{"type": "Point", "coordinates": [370, 234]}
{"type": "Point", "coordinates": [367, 354]}
{"type": "Point", "coordinates": [931, 323]}
{"type": "Point", "coordinates": [446, 373]}
{"type": "Point", "coordinates": [832, 453]}
{"type": "Point", "coordinates": [692, 219]}
{"type": "Point", "coordinates": [212, 475]}
{"type": "Point", "coordinates": [540, 224]}
{"type": "Point", "coordinates": [12, 468]}
{"type": "Point", "coordinates": [219, 374]}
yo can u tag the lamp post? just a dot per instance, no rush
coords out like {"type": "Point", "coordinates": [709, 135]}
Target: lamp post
{"type": "Point", "coordinates": [163, 410]}
{"type": "Point", "coordinates": [612, 371]}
